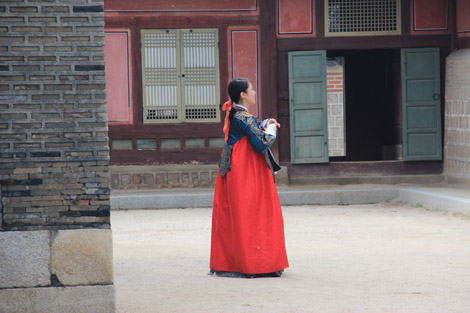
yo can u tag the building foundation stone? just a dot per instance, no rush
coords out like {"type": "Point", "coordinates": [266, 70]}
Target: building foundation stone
{"type": "Point", "coordinates": [25, 259]}
{"type": "Point", "coordinates": [81, 299]}
{"type": "Point", "coordinates": [457, 118]}
{"type": "Point", "coordinates": [82, 257]}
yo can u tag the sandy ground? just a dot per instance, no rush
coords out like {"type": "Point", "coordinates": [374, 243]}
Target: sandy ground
{"type": "Point", "coordinates": [379, 258]}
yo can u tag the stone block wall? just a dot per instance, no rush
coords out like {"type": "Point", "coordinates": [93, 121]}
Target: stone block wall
{"type": "Point", "coordinates": [163, 176]}
{"type": "Point", "coordinates": [56, 271]}
{"type": "Point", "coordinates": [457, 118]}
{"type": "Point", "coordinates": [55, 195]}
{"type": "Point", "coordinates": [54, 156]}
{"type": "Point", "coordinates": [172, 176]}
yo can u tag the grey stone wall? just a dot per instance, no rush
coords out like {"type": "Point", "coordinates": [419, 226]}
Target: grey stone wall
{"type": "Point", "coordinates": [172, 176]}
{"type": "Point", "coordinates": [163, 176]}
{"type": "Point", "coordinates": [55, 271]}
{"type": "Point", "coordinates": [62, 258]}
{"type": "Point", "coordinates": [55, 236]}
{"type": "Point", "coordinates": [53, 141]}
{"type": "Point", "coordinates": [457, 118]}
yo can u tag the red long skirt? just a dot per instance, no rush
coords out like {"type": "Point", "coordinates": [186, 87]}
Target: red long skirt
{"type": "Point", "coordinates": [247, 222]}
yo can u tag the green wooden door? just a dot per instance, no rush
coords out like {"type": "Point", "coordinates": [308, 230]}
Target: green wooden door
{"type": "Point", "coordinates": [308, 115]}
{"type": "Point", "coordinates": [421, 101]}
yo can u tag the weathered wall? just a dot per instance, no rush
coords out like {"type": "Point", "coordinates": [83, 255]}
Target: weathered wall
{"type": "Point", "coordinates": [335, 103]}
{"type": "Point", "coordinates": [54, 158]}
{"type": "Point", "coordinates": [457, 118]}
{"type": "Point", "coordinates": [163, 176]}
{"type": "Point", "coordinates": [172, 176]}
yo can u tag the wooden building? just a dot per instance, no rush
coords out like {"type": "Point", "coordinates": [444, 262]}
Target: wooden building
{"type": "Point", "coordinates": [357, 85]}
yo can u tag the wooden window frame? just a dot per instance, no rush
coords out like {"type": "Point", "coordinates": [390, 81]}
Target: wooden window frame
{"type": "Point", "coordinates": [179, 111]}
{"type": "Point", "coordinates": [363, 33]}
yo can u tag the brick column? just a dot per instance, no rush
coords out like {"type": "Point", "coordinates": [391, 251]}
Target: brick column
{"type": "Point", "coordinates": [54, 158]}
{"type": "Point", "coordinates": [457, 118]}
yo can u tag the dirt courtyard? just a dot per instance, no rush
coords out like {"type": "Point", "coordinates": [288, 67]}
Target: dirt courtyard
{"type": "Point", "coordinates": [387, 257]}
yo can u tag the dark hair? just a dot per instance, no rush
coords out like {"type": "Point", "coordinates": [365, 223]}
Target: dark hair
{"type": "Point", "coordinates": [236, 86]}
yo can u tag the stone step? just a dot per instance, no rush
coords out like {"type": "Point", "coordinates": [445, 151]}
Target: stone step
{"type": "Point", "coordinates": [347, 180]}
{"type": "Point", "coordinates": [442, 197]}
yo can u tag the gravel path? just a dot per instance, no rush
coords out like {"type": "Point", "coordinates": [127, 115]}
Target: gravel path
{"type": "Point", "coordinates": [387, 257]}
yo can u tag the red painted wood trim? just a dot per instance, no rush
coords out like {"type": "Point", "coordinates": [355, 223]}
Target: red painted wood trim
{"type": "Point", "coordinates": [268, 50]}
{"type": "Point", "coordinates": [425, 16]}
{"type": "Point", "coordinates": [283, 103]}
{"type": "Point", "coordinates": [463, 17]}
{"type": "Point", "coordinates": [180, 20]}
{"type": "Point", "coordinates": [137, 64]}
{"type": "Point", "coordinates": [405, 17]}
{"type": "Point", "coordinates": [193, 6]}
{"type": "Point", "coordinates": [155, 157]}
{"type": "Point", "coordinates": [295, 18]}
{"type": "Point", "coordinates": [370, 42]}
{"type": "Point", "coordinates": [244, 62]}
{"type": "Point", "coordinates": [464, 42]}
{"type": "Point", "coordinates": [128, 117]}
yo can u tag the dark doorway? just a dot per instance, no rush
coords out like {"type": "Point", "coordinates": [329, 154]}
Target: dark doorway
{"type": "Point", "coordinates": [372, 104]}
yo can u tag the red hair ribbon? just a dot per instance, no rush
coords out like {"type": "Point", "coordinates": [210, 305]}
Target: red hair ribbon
{"type": "Point", "coordinates": [227, 106]}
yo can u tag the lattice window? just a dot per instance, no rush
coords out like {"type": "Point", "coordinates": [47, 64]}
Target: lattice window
{"type": "Point", "coordinates": [180, 75]}
{"type": "Point", "coordinates": [200, 68]}
{"type": "Point", "coordinates": [362, 17]}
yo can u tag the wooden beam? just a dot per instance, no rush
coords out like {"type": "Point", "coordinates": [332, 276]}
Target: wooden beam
{"type": "Point", "coordinates": [364, 43]}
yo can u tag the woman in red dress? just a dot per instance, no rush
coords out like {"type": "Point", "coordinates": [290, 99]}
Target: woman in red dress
{"type": "Point", "coordinates": [247, 223]}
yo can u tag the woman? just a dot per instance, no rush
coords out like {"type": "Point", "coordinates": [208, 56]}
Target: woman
{"type": "Point", "coordinates": [247, 222]}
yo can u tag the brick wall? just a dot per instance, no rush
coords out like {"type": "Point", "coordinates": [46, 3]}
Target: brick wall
{"type": "Point", "coordinates": [457, 118]}
{"type": "Point", "coordinates": [53, 139]}
{"type": "Point", "coordinates": [55, 231]}
{"type": "Point", "coordinates": [335, 100]}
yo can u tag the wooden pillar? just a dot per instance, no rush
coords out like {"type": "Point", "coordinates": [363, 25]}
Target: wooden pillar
{"type": "Point", "coordinates": [268, 63]}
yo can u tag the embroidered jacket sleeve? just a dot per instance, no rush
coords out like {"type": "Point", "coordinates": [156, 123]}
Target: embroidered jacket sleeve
{"type": "Point", "coordinates": [248, 126]}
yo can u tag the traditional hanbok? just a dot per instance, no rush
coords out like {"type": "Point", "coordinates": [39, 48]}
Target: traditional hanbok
{"type": "Point", "coordinates": [247, 222]}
